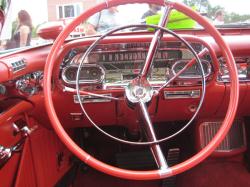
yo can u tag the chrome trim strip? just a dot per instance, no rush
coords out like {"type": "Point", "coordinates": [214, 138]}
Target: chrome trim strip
{"type": "Point", "coordinates": [93, 99]}
{"type": "Point", "coordinates": [185, 94]}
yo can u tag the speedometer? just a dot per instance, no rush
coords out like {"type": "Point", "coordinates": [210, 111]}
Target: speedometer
{"type": "Point", "coordinates": [89, 74]}
{"type": "Point", "coordinates": [193, 72]}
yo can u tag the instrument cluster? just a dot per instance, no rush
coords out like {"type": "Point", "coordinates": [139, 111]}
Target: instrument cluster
{"type": "Point", "coordinates": [117, 64]}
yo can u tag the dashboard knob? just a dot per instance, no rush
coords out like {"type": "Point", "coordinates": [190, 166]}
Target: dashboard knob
{"type": "Point", "coordinates": [21, 84]}
{"type": "Point", "coordinates": [25, 87]}
{"type": "Point", "coordinates": [2, 89]}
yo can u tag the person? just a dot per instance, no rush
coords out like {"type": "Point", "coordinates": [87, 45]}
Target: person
{"type": "Point", "coordinates": [102, 21]}
{"type": "Point", "coordinates": [219, 17]}
{"type": "Point", "coordinates": [153, 9]}
{"type": "Point", "coordinates": [22, 34]}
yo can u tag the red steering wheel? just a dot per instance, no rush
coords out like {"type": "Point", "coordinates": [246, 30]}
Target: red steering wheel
{"type": "Point", "coordinates": [163, 172]}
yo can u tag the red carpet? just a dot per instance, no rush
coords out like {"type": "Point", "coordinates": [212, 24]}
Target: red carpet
{"type": "Point", "coordinates": [96, 179]}
{"type": "Point", "coordinates": [216, 173]}
{"type": "Point", "coordinates": [212, 173]}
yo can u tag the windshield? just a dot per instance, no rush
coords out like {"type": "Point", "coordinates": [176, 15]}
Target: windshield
{"type": "Point", "coordinates": [24, 18]}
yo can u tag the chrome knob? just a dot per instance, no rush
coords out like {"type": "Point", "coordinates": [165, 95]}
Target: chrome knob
{"type": "Point", "coordinates": [2, 89]}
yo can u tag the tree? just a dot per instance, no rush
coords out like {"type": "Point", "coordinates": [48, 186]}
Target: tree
{"type": "Point", "coordinates": [234, 18]}
{"type": "Point", "coordinates": [212, 10]}
{"type": "Point", "coordinates": [201, 5]}
{"type": "Point", "coordinates": [204, 6]}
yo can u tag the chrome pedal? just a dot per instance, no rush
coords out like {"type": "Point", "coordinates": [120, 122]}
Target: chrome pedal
{"type": "Point", "coordinates": [172, 159]}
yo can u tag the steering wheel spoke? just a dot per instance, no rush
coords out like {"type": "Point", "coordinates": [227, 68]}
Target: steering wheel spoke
{"type": "Point", "coordinates": [151, 136]}
{"type": "Point", "coordinates": [155, 42]}
{"type": "Point", "coordinates": [188, 65]}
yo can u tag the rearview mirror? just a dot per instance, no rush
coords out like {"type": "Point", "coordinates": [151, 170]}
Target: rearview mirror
{"type": "Point", "coordinates": [50, 30]}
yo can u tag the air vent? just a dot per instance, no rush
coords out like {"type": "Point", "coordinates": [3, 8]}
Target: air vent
{"type": "Point", "coordinates": [235, 139]}
{"type": "Point", "coordinates": [18, 65]}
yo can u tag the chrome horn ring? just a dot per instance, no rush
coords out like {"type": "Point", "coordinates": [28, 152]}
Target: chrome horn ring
{"type": "Point", "coordinates": [134, 98]}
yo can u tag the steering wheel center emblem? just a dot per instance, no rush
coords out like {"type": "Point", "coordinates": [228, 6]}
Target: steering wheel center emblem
{"type": "Point", "coordinates": [139, 90]}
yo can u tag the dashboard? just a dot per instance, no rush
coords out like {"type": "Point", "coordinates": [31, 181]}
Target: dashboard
{"type": "Point", "coordinates": [117, 64]}
{"type": "Point", "coordinates": [112, 65]}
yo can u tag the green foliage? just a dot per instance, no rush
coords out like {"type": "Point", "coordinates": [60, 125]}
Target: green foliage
{"type": "Point", "coordinates": [14, 27]}
{"type": "Point", "coordinates": [3, 4]}
{"type": "Point", "coordinates": [210, 10]}
{"type": "Point", "coordinates": [199, 4]}
{"type": "Point", "coordinates": [34, 31]}
{"type": "Point", "coordinates": [234, 18]}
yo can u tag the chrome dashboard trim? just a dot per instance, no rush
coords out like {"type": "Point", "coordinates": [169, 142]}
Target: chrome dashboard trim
{"type": "Point", "coordinates": [183, 94]}
{"type": "Point", "coordinates": [16, 64]}
{"type": "Point", "coordinates": [94, 81]}
{"type": "Point", "coordinates": [192, 77]}
{"type": "Point", "coordinates": [92, 99]}
{"type": "Point", "coordinates": [243, 73]}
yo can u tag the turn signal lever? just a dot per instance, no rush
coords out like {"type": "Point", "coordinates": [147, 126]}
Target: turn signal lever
{"type": "Point", "coordinates": [7, 152]}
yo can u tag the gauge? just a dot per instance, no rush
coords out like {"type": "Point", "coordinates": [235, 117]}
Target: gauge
{"type": "Point", "coordinates": [89, 74]}
{"type": "Point", "coordinates": [70, 74]}
{"type": "Point", "coordinates": [193, 71]}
